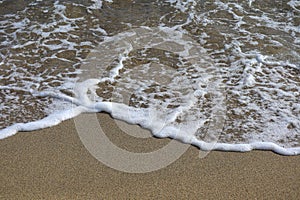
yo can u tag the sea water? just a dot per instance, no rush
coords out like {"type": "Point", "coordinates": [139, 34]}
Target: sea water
{"type": "Point", "coordinates": [202, 72]}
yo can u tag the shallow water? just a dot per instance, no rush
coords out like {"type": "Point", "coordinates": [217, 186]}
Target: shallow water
{"type": "Point", "coordinates": [193, 60]}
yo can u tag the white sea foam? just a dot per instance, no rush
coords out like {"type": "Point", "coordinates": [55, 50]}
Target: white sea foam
{"type": "Point", "coordinates": [256, 49]}
{"type": "Point", "coordinates": [97, 4]}
{"type": "Point", "coordinates": [139, 116]}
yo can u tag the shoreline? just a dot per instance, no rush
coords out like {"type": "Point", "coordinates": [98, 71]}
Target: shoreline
{"type": "Point", "coordinates": [53, 164]}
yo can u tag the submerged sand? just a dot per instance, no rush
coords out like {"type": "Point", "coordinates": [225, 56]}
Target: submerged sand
{"type": "Point", "coordinates": [53, 164]}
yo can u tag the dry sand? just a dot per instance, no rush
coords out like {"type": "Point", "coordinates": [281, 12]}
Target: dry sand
{"type": "Point", "coordinates": [53, 164]}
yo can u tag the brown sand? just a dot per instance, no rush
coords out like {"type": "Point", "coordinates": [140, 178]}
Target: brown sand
{"type": "Point", "coordinates": [53, 164]}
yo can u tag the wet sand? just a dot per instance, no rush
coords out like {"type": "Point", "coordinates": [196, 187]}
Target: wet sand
{"type": "Point", "coordinates": [53, 164]}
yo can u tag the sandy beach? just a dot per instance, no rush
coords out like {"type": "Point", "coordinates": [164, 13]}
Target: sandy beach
{"type": "Point", "coordinates": [53, 164]}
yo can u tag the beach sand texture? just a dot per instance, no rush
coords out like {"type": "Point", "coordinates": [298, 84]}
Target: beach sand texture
{"type": "Point", "coordinates": [53, 164]}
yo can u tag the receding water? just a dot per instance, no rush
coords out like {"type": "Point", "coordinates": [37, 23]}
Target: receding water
{"type": "Point", "coordinates": [179, 60]}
